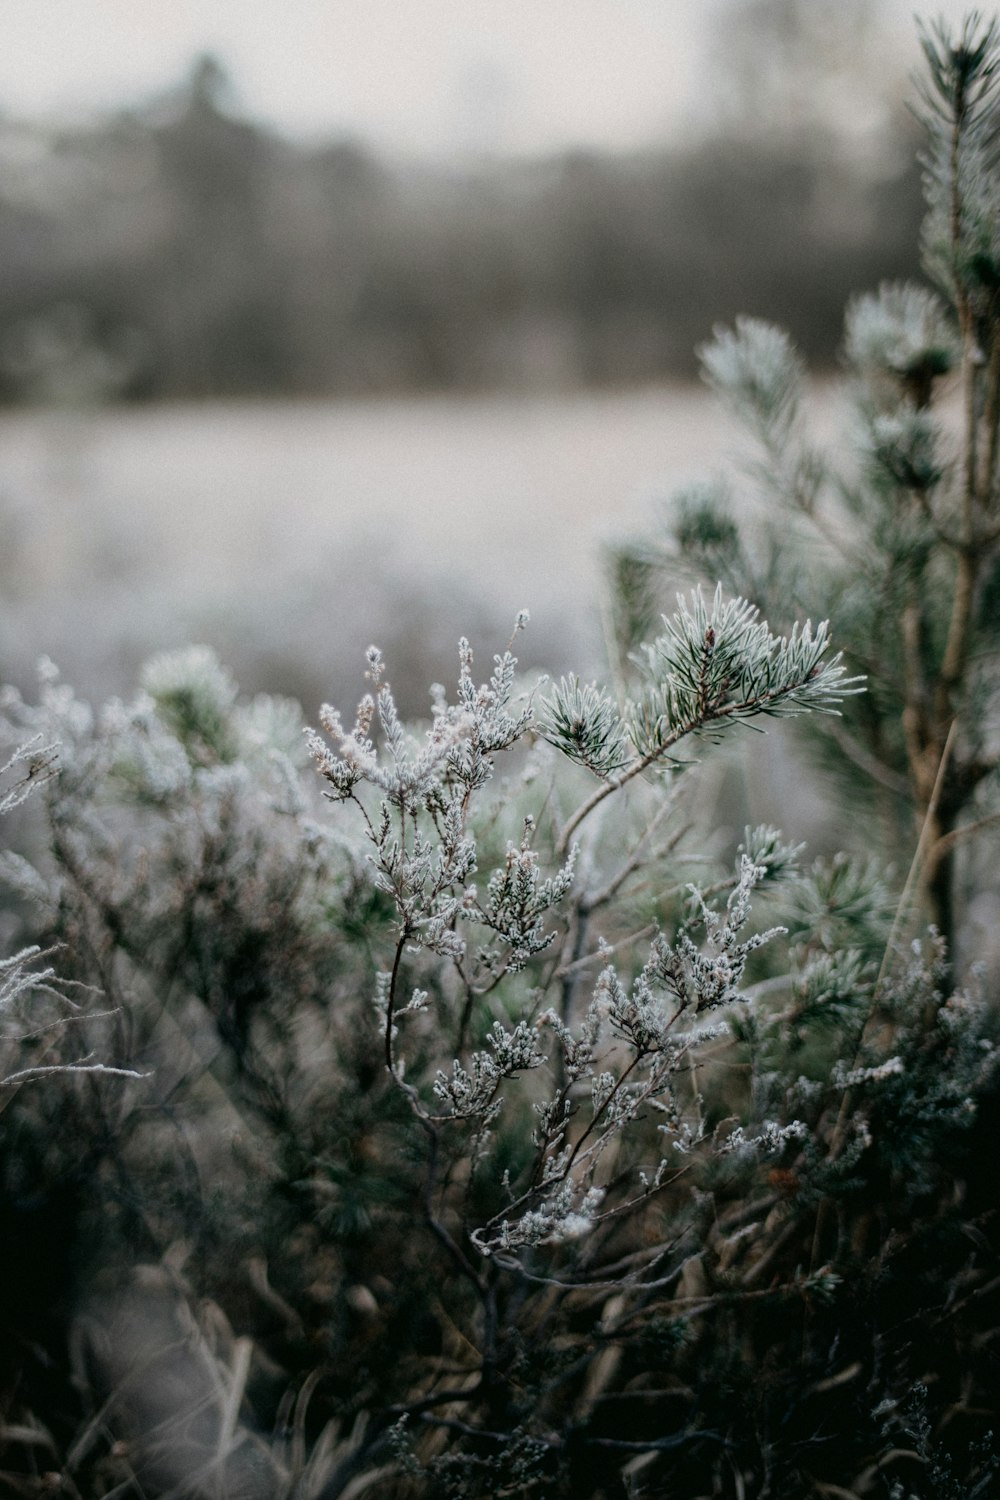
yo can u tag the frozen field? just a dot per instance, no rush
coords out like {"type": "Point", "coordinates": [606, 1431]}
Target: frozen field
{"type": "Point", "coordinates": [289, 535]}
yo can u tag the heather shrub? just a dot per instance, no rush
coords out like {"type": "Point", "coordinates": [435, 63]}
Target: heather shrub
{"type": "Point", "coordinates": [484, 1132]}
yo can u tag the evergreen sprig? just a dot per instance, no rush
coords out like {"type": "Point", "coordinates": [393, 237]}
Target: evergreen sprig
{"type": "Point", "coordinates": [712, 667]}
{"type": "Point", "coordinates": [583, 722]}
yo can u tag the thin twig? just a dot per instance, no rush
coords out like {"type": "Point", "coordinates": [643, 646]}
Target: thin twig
{"type": "Point", "coordinates": [916, 864]}
{"type": "Point", "coordinates": [949, 840]}
{"type": "Point", "coordinates": [29, 1073]}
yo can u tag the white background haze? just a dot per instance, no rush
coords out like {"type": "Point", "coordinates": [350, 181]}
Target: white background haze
{"type": "Point", "coordinates": [421, 76]}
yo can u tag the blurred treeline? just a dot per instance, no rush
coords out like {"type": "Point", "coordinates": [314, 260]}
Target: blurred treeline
{"type": "Point", "coordinates": [182, 251]}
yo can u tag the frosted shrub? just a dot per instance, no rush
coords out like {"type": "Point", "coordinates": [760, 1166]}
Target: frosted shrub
{"type": "Point", "coordinates": [894, 526]}
{"type": "Point", "coordinates": [634, 1039]}
{"type": "Point", "coordinates": [453, 1094]}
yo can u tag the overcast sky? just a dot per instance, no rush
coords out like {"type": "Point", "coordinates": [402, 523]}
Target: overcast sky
{"type": "Point", "coordinates": [419, 76]}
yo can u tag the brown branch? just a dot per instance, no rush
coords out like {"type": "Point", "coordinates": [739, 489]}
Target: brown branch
{"type": "Point", "coordinates": [390, 1002]}
{"type": "Point", "coordinates": [991, 422]}
{"type": "Point", "coordinates": [948, 841]}
{"type": "Point", "coordinates": [883, 775]}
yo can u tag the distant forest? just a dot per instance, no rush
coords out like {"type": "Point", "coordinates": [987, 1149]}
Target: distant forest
{"type": "Point", "coordinates": [181, 251]}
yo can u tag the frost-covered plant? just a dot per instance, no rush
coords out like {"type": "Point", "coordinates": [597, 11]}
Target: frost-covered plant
{"type": "Point", "coordinates": [26, 768]}
{"type": "Point", "coordinates": [711, 667]}
{"type": "Point", "coordinates": [488, 1079]}
{"type": "Point", "coordinates": [485, 1090]}
{"type": "Point", "coordinates": [896, 525]}
{"type": "Point", "coordinates": [36, 1004]}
